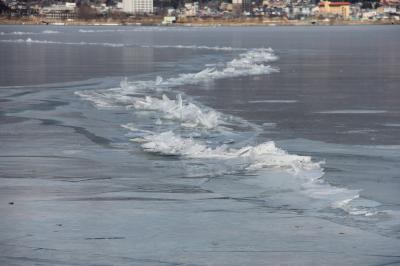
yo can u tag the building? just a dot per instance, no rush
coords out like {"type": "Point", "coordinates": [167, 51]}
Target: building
{"type": "Point", "coordinates": [226, 7]}
{"type": "Point", "coordinates": [369, 14]}
{"type": "Point", "coordinates": [342, 9]}
{"type": "Point", "coordinates": [137, 6]}
{"type": "Point", "coordinates": [62, 11]}
{"type": "Point", "coordinates": [169, 20]}
{"type": "Point", "coordinates": [191, 9]}
{"type": "Point", "coordinates": [387, 10]}
{"type": "Point", "coordinates": [390, 3]}
{"type": "Point", "coordinates": [241, 5]}
{"type": "Point", "coordinates": [299, 12]}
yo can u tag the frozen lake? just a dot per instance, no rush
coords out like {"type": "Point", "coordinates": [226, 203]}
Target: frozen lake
{"type": "Point", "coordinates": [199, 146]}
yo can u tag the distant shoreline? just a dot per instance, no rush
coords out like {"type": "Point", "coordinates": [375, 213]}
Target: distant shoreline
{"type": "Point", "coordinates": [206, 22]}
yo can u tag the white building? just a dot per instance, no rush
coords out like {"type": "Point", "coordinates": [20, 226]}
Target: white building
{"type": "Point", "coordinates": [70, 5]}
{"type": "Point", "coordinates": [191, 9]}
{"type": "Point", "coordinates": [369, 14]}
{"type": "Point", "coordinates": [137, 6]}
{"type": "Point", "coordinates": [65, 11]}
{"type": "Point", "coordinates": [244, 5]}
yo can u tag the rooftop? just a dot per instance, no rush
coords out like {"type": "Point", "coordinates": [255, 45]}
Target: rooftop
{"type": "Point", "coordinates": [335, 3]}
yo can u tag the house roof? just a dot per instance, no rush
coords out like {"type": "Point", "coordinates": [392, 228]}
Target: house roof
{"type": "Point", "coordinates": [335, 3]}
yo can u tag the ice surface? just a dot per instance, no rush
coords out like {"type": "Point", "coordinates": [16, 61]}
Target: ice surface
{"type": "Point", "coordinates": [252, 62]}
{"type": "Point", "coordinates": [256, 158]}
{"type": "Point", "coordinates": [33, 41]}
{"type": "Point", "coordinates": [355, 111]}
{"type": "Point", "coordinates": [197, 47]}
{"type": "Point", "coordinates": [116, 45]}
{"type": "Point", "coordinates": [84, 194]}
{"type": "Point", "coordinates": [249, 158]}
{"type": "Point", "coordinates": [273, 101]}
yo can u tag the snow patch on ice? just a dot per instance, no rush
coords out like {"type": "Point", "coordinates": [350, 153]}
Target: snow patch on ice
{"type": "Point", "coordinates": [250, 63]}
{"type": "Point", "coordinates": [188, 113]}
{"type": "Point", "coordinates": [257, 157]}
